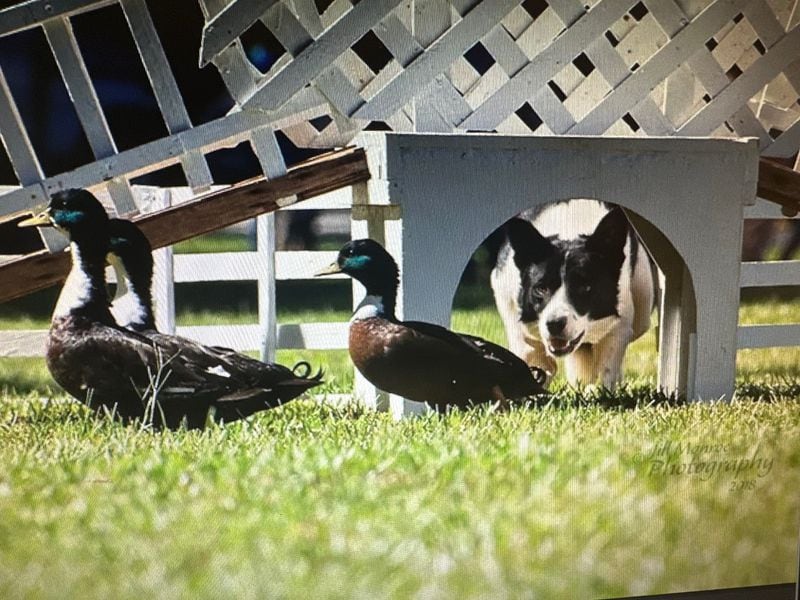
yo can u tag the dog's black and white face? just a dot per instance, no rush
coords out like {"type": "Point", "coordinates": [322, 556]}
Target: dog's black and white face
{"type": "Point", "coordinates": [570, 287]}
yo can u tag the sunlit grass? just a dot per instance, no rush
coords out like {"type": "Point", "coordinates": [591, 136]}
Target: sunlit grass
{"type": "Point", "coordinates": [315, 501]}
{"type": "Point", "coordinates": [318, 500]}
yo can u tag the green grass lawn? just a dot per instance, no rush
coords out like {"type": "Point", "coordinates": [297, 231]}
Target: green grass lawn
{"type": "Point", "coordinates": [567, 500]}
{"type": "Point", "coordinates": [314, 501]}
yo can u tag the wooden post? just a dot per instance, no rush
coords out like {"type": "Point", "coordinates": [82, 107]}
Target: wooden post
{"type": "Point", "coordinates": [163, 276]}
{"type": "Point", "coordinates": [265, 146]}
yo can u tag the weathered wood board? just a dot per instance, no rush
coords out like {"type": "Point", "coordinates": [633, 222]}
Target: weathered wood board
{"type": "Point", "coordinates": [204, 214]}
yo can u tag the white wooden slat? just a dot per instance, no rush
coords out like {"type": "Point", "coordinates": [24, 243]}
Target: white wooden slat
{"type": "Point", "coordinates": [22, 342]}
{"type": "Point", "coordinates": [679, 49]}
{"type": "Point", "coordinates": [426, 117]}
{"type": "Point", "coordinates": [569, 11]}
{"type": "Point", "coordinates": [335, 11]}
{"type": "Point", "coordinates": [338, 90]}
{"type": "Point", "coordinates": [239, 75]}
{"type": "Point", "coordinates": [430, 20]}
{"type": "Point", "coordinates": [266, 277]}
{"type": "Point", "coordinates": [398, 40]}
{"type": "Point", "coordinates": [334, 83]}
{"type": "Point", "coordinates": [228, 24]}
{"type": "Point", "coordinates": [316, 57]}
{"type": "Point", "coordinates": [223, 132]}
{"type": "Point", "coordinates": [746, 85]}
{"type": "Point", "coordinates": [265, 146]}
{"type": "Point", "coordinates": [303, 264]}
{"type": "Point", "coordinates": [313, 336]}
{"type": "Point", "coordinates": [335, 86]}
{"type": "Point", "coordinates": [553, 112]}
{"type": "Point", "coordinates": [463, 76]}
{"type": "Point", "coordinates": [391, 69]}
{"type": "Point", "coordinates": [614, 70]}
{"type": "Point", "coordinates": [306, 11]}
{"type": "Point", "coordinates": [340, 199]}
{"type": "Point", "coordinates": [517, 21]}
{"type": "Point", "coordinates": [763, 20]}
{"type": "Point", "coordinates": [32, 13]}
{"type": "Point", "coordinates": [485, 85]}
{"type": "Point", "coordinates": [76, 78]}
{"type": "Point", "coordinates": [310, 336]}
{"type": "Point", "coordinates": [121, 194]}
{"type": "Point", "coordinates": [87, 106]}
{"type": "Point", "coordinates": [287, 29]}
{"type": "Point", "coordinates": [448, 103]}
{"type": "Point", "coordinates": [545, 65]}
{"type": "Point", "coordinates": [440, 55]}
{"type": "Point", "coordinates": [707, 69]}
{"type": "Point", "coordinates": [247, 266]}
{"type": "Point", "coordinates": [242, 338]}
{"type": "Point", "coordinates": [745, 124]}
{"type": "Point", "coordinates": [768, 336]}
{"type": "Point", "coordinates": [770, 274]}
{"type": "Point", "coordinates": [508, 55]}
{"type": "Point", "coordinates": [15, 138]}
{"type": "Point", "coordinates": [165, 88]}
{"type": "Point", "coordinates": [540, 34]}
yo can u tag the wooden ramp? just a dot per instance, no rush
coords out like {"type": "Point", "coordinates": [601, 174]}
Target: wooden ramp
{"type": "Point", "coordinates": [324, 173]}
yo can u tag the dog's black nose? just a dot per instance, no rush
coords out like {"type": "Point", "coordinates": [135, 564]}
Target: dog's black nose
{"type": "Point", "coordinates": [556, 326]}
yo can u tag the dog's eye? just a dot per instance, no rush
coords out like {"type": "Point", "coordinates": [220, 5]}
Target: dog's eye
{"type": "Point", "coordinates": [584, 289]}
{"type": "Point", "coordinates": [540, 291]}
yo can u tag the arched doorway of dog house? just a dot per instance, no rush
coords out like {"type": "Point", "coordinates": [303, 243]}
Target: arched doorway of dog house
{"type": "Point", "coordinates": [475, 307]}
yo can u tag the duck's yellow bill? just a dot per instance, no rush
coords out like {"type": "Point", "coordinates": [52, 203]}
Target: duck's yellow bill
{"type": "Point", "coordinates": [331, 269]}
{"type": "Point", "coordinates": [40, 220]}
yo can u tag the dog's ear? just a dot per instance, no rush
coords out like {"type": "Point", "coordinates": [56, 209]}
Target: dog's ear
{"type": "Point", "coordinates": [610, 234]}
{"type": "Point", "coordinates": [529, 245]}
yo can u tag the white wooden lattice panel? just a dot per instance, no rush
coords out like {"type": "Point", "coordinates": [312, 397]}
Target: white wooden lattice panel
{"type": "Point", "coordinates": [654, 67]}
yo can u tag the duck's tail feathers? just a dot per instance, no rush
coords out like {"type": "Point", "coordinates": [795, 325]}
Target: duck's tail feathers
{"type": "Point", "coordinates": [294, 386]}
{"type": "Point", "coordinates": [302, 370]}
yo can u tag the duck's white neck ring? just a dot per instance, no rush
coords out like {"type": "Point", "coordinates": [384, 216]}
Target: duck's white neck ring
{"type": "Point", "coordinates": [370, 307]}
{"type": "Point", "coordinates": [84, 288]}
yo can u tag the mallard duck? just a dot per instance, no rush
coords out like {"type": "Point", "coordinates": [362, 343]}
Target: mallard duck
{"type": "Point", "coordinates": [131, 256]}
{"type": "Point", "coordinates": [137, 378]}
{"type": "Point", "coordinates": [422, 361]}
{"type": "Point", "coordinates": [132, 307]}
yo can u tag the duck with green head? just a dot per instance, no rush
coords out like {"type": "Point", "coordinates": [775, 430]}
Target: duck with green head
{"type": "Point", "coordinates": [422, 361]}
{"type": "Point", "coordinates": [132, 306]}
{"type": "Point", "coordinates": [122, 371]}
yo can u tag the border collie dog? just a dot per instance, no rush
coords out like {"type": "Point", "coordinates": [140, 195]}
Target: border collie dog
{"type": "Point", "coordinates": [572, 280]}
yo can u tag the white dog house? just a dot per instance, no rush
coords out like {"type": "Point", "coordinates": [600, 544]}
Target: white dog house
{"type": "Point", "coordinates": [535, 73]}
{"type": "Point", "coordinates": [686, 197]}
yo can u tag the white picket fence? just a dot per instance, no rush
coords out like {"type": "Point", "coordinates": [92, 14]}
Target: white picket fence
{"type": "Point", "coordinates": [598, 67]}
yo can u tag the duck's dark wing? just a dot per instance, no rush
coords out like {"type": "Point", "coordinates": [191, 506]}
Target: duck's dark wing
{"type": "Point", "coordinates": [239, 368]}
{"type": "Point", "coordinates": [429, 363]}
{"type": "Point", "coordinates": [468, 344]}
{"type": "Point", "coordinates": [113, 367]}
{"type": "Point", "coordinates": [128, 371]}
